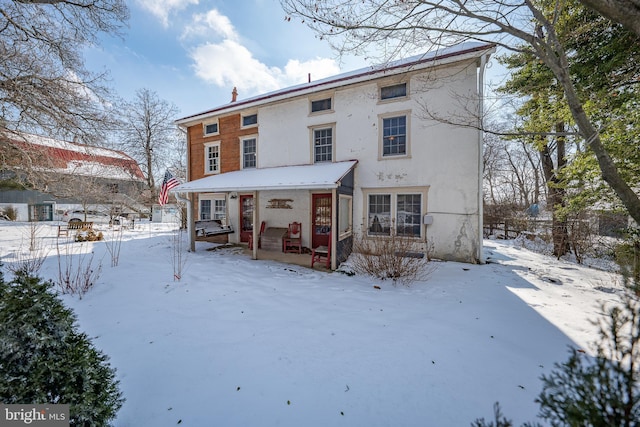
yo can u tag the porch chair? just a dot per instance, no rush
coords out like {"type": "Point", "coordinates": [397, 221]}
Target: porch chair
{"type": "Point", "coordinates": [292, 241]}
{"type": "Point", "coordinates": [320, 253]}
{"type": "Point", "coordinates": [263, 224]}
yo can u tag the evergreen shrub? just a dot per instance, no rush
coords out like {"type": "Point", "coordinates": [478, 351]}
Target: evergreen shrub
{"type": "Point", "coordinates": [44, 358]}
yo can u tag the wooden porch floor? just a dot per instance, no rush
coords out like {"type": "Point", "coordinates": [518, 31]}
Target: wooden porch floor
{"type": "Point", "coordinates": [303, 260]}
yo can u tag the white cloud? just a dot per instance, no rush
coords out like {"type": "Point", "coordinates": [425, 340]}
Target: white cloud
{"type": "Point", "coordinates": [203, 23]}
{"type": "Point", "coordinates": [228, 63]}
{"type": "Point", "coordinates": [163, 8]}
{"type": "Point", "coordinates": [298, 72]}
{"type": "Point", "coordinates": [231, 64]}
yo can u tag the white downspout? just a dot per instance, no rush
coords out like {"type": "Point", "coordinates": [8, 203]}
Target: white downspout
{"type": "Point", "coordinates": [483, 63]}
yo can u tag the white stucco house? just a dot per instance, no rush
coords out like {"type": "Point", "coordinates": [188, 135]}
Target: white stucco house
{"type": "Point", "coordinates": [394, 149]}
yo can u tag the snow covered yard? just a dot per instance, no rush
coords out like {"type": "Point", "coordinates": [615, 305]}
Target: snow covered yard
{"type": "Point", "coordinates": [256, 343]}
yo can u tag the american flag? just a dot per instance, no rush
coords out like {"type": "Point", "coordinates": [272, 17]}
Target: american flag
{"type": "Point", "coordinates": [168, 183]}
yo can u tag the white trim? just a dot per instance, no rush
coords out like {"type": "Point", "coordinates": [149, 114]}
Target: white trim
{"type": "Point", "coordinates": [208, 123]}
{"type": "Point", "coordinates": [319, 176]}
{"type": "Point", "coordinates": [242, 140]}
{"type": "Point", "coordinates": [381, 118]}
{"type": "Point", "coordinates": [207, 169]}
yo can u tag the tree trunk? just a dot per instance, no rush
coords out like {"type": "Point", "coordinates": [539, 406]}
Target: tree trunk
{"type": "Point", "coordinates": [557, 194]}
{"type": "Point", "coordinates": [609, 171]}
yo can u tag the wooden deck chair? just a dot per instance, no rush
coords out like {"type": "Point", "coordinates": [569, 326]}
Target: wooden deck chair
{"type": "Point", "coordinates": [322, 253]}
{"type": "Point", "coordinates": [263, 225]}
{"type": "Point", "coordinates": [292, 241]}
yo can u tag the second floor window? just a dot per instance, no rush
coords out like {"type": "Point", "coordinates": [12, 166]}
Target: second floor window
{"type": "Point", "coordinates": [394, 136]}
{"type": "Point", "coordinates": [323, 145]}
{"type": "Point", "coordinates": [249, 148]}
{"type": "Point", "coordinates": [212, 158]}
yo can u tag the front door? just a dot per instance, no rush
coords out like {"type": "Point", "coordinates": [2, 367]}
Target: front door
{"type": "Point", "coordinates": [246, 217]}
{"type": "Point", "coordinates": [321, 226]}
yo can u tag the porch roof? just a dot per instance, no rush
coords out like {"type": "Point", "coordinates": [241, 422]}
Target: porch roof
{"type": "Point", "coordinates": [302, 177]}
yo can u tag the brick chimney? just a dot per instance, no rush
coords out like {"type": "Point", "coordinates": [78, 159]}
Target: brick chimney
{"type": "Point", "coordinates": [234, 95]}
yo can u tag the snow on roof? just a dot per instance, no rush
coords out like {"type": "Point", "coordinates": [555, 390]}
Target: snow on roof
{"type": "Point", "coordinates": [427, 59]}
{"type": "Point", "coordinates": [307, 177]}
{"type": "Point", "coordinates": [73, 146]}
{"type": "Point", "coordinates": [66, 157]}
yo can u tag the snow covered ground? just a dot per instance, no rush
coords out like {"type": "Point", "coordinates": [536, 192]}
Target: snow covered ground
{"type": "Point", "coordinates": [239, 342]}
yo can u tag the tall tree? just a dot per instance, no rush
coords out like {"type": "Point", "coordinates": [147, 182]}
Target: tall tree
{"type": "Point", "coordinates": [605, 63]}
{"type": "Point", "coordinates": [527, 26]}
{"type": "Point", "coordinates": [44, 85]}
{"type": "Point", "coordinates": [150, 137]}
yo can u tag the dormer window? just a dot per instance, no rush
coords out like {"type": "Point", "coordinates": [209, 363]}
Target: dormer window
{"type": "Point", "coordinates": [394, 91]}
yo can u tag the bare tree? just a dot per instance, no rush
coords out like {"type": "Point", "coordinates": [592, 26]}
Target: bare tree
{"type": "Point", "coordinates": [44, 85]}
{"type": "Point", "coordinates": [512, 172]}
{"type": "Point", "coordinates": [150, 137]}
{"type": "Point", "coordinates": [405, 25]}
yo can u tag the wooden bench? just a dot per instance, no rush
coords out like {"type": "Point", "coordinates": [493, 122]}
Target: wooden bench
{"type": "Point", "coordinates": [63, 230]}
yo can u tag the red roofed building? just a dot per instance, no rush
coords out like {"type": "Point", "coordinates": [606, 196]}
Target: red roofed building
{"type": "Point", "coordinates": [43, 175]}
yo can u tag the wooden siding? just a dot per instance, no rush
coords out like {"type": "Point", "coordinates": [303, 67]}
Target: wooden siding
{"type": "Point", "coordinates": [229, 139]}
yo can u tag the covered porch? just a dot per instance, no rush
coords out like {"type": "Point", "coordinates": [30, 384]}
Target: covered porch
{"type": "Point", "coordinates": [262, 204]}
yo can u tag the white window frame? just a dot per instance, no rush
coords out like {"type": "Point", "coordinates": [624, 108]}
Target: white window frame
{"type": "Point", "coordinates": [201, 211]}
{"type": "Point", "coordinates": [242, 153]}
{"type": "Point", "coordinates": [321, 98]}
{"type": "Point", "coordinates": [345, 213]}
{"type": "Point", "coordinates": [207, 169]}
{"type": "Point", "coordinates": [381, 119]}
{"type": "Point", "coordinates": [217, 207]}
{"type": "Point", "coordinates": [393, 193]}
{"type": "Point", "coordinates": [243, 126]}
{"type": "Point", "coordinates": [312, 137]}
{"type": "Point", "coordinates": [204, 128]}
{"type": "Point", "coordinates": [393, 98]}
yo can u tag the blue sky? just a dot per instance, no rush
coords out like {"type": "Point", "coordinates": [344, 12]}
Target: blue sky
{"type": "Point", "coordinates": [193, 52]}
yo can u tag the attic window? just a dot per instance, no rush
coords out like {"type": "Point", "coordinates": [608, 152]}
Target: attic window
{"type": "Point", "coordinates": [250, 120]}
{"type": "Point", "coordinates": [394, 91]}
{"type": "Point", "coordinates": [321, 105]}
{"type": "Point", "coordinates": [211, 128]}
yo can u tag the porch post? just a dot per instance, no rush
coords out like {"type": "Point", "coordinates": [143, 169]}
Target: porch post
{"type": "Point", "coordinates": [190, 223]}
{"type": "Point", "coordinates": [256, 227]}
{"type": "Point", "coordinates": [334, 225]}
